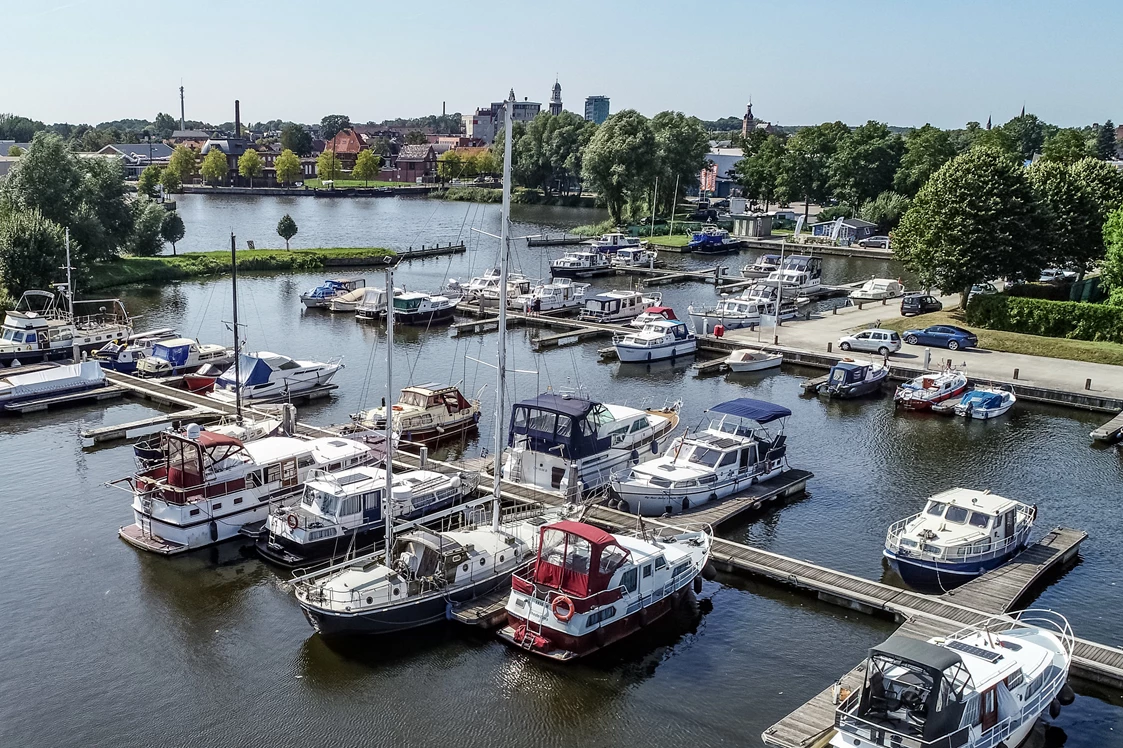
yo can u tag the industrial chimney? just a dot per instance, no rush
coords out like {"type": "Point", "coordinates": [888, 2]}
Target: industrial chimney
{"type": "Point", "coordinates": [237, 119]}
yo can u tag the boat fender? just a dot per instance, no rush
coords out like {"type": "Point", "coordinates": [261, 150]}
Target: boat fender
{"type": "Point", "coordinates": [562, 608]}
{"type": "Point", "coordinates": [654, 446]}
{"type": "Point", "coordinates": [214, 531]}
{"type": "Point", "coordinates": [697, 585]}
{"type": "Point", "coordinates": [685, 503]}
{"type": "Point", "coordinates": [1066, 696]}
{"type": "Point", "coordinates": [635, 456]}
{"type": "Point", "coordinates": [709, 572]}
{"type": "Point", "coordinates": [1054, 709]}
{"type": "Point", "coordinates": [713, 497]}
{"type": "Point", "coordinates": [623, 506]}
{"type": "Point", "coordinates": [293, 521]}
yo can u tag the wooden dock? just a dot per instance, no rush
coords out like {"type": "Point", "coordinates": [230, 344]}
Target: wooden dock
{"type": "Point", "coordinates": [557, 241]}
{"type": "Point", "coordinates": [145, 426]}
{"type": "Point", "coordinates": [1110, 432]}
{"type": "Point", "coordinates": [43, 403]}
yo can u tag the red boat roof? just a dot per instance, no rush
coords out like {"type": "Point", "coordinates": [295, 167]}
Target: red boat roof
{"type": "Point", "coordinates": [594, 535]}
{"type": "Point", "coordinates": [211, 439]}
{"type": "Point", "coordinates": [664, 310]}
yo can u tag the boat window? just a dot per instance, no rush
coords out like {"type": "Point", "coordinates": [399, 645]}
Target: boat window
{"type": "Point", "coordinates": [611, 558]}
{"type": "Point", "coordinates": [728, 459]}
{"type": "Point", "coordinates": [646, 571]}
{"type": "Point", "coordinates": [660, 563]}
{"type": "Point", "coordinates": [936, 509]}
{"type": "Point", "coordinates": [601, 415]}
{"type": "Point", "coordinates": [543, 421]}
{"type": "Point", "coordinates": [272, 473]}
{"type": "Point", "coordinates": [628, 579]}
{"type": "Point", "coordinates": [289, 365]}
{"type": "Point", "coordinates": [578, 555]}
{"type": "Point", "coordinates": [18, 337]}
{"type": "Point", "coordinates": [327, 502]}
{"type": "Point", "coordinates": [305, 461]}
{"type": "Point", "coordinates": [956, 514]}
{"type": "Point", "coordinates": [308, 497]}
{"type": "Point", "coordinates": [640, 423]}
{"type": "Point", "coordinates": [979, 520]}
{"type": "Point", "coordinates": [351, 505]}
{"type": "Point", "coordinates": [565, 426]}
{"type": "Point", "coordinates": [704, 456]}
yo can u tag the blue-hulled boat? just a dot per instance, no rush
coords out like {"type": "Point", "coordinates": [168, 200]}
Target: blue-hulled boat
{"type": "Point", "coordinates": [712, 240]}
{"type": "Point", "coordinates": [321, 295]}
{"type": "Point", "coordinates": [853, 379]}
{"type": "Point", "coordinates": [960, 534]}
{"type": "Point", "coordinates": [123, 356]}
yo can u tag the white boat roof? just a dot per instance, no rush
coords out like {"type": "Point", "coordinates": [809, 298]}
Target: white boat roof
{"type": "Point", "coordinates": [977, 501]}
{"type": "Point", "coordinates": [176, 342]}
{"type": "Point", "coordinates": [620, 412]}
{"type": "Point", "coordinates": [273, 448]}
{"type": "Point", "coordinates": [642, 550]}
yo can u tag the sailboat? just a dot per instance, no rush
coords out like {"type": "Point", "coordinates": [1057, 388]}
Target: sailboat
{"type": "Point", "coordinates": [421, 572]}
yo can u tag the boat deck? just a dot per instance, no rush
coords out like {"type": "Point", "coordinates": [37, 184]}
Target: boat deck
{"type": "Point", "coordinates": [133, 535]}
{"type": "Point", "coordinates": [486, 611]}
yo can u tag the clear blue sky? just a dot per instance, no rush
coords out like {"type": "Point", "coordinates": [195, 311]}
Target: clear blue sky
{"type": "Point", "coordinates": [905, 62]}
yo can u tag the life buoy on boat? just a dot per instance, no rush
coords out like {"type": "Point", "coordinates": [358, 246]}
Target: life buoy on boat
{"type": "Point", "coordinates": [562, 608]}
{"type": "Point", "coordinates": [293, 521]}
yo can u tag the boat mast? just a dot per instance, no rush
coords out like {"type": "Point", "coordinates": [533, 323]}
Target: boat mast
{"type": "Point", "coordinates": [237, 343]}
{"type": "Point", "coordinates": [388, 505]}
{"type": "Point", "coordinates": [76, 350]}
{"type": "Point", "coordinates": [504, 254]}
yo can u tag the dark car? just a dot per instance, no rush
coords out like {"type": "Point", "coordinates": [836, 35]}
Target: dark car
{"type": "Point", "coordinates": [875, 242]}
{"type": "Point", "coordinates": [946, 336]}
{"type": "Point", "coordinates": [919, 304]}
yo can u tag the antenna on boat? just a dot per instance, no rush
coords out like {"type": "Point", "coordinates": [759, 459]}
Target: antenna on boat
{"type": "Point", "coordinates": [237, 343]}
{"type": "Point", "coordinates": [388, 506]}
{"type": "Point", "coordinates": [504, 258]}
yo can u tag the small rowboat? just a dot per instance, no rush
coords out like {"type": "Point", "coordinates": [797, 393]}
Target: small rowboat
{"type": "Point", "coordinates": [747, 359]}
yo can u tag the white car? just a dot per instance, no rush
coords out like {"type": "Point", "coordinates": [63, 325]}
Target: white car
{"type": "Point", "coordinates": [1056, 275]}
{"type": "Point", "coordinates": [882, 342]}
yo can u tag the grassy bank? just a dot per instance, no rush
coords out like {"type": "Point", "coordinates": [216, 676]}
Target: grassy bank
{"type": "Point", "coordinates": [346, 183]}
{"type": "Point", "coordinates": [162, 269]}
{"type": "Point", "coordinates": [1013, 342]}
{"type": "Point", "coordinates": [469, 194]}
{"type": "Point", "coordinates": [667, 240]}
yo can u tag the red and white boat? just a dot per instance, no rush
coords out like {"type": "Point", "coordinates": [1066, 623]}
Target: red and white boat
{"type": "Point", "coordinates": [588, 588]}
{"type": "Point", "coordinates": [931, 388]}
{"type": "Point", "coordinates": [202, 381]}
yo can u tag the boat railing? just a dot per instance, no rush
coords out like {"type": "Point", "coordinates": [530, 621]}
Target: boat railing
{"type": "Point", "coordinates": [1030, 618]}
{"type": "Point", "coordinates": [846, 720]}
{"type": "Point", "coordinates": [980, 550]}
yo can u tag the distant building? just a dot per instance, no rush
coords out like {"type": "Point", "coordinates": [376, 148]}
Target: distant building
{"type": "Point", "coordinates": [555, 99]}
{"type": "Point", "coordinates": [6, 163]}
{"type": "Point", "coordinates": [416, 162]}
{"type": "Point", "coordinates": [750, 123]}
{"type": "Point", "coordinates": [485, 123]}
{"type": "Point", "coordinates": [480, 125]}
{"type": "Point", "coordinates": [232, 148]}
{"type": "Point", "coordinates": [138, 156]}
{"type": "Point", "coordinates": [596, 108]}
{"type": "Point", "coordinates": [853, 229]}
{"type": "Point", "coordinates": [7, 145]}
{"type": "Point", "coordinates": [346, 145]}
{"type": "Point", "coordinates": [717, 176]}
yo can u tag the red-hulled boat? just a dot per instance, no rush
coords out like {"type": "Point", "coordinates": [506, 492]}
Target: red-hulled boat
{"type": "Point", "coordinates": [588, 588]}
{"type": "Point", "coordinates": [202, 381]}
{"type": "Point", "coordinates": [929, 389]}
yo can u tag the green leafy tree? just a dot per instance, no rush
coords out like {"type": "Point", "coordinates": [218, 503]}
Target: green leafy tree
{"type": "Point", "coordinates": [172, 228]}
{"type": "Point", "coordinates": [296, 139]}
{"type": "Point", "coordinates": [165, 125]}
{"type": "Point", "coordinates": [183, 163]}
{"type": "Point", "coordinates": [14, 151]}
{"type": "Point", "coordinates": [681, 145]}
{"type": "Point", "coordinates": [145, 240]}
{"type": "Point", "coordinates": [450, 165]}
{"type": "Point", "coordinates": [617, 161]}
{"type": "Point", "coordinates": [1067, 146]}
{"type": "Point", "coordinates": [759, 171]}
{"type": "Point", "coordinates": [886, 210]}
{"type": "Point", "coordinates": [1106, 146]}
{"type": "Point", "coordinates": [288, 167]}
{"type": "Point", "coordinates": [1104, 182]}
{"type": "Point", "coordinates": [1027, 133]}
{"type": "Point", "coordinates": [214, 166]}
{"type": "Point", "coordinates": [169, 179]}
{"type": "Point", "coordinates": [805, 170]}
{"type": "Point", "coordinates": [483, 162]}
{"type": "Point", "coordinates": [148, 180]}
{"type": "Point", "coordinates": [865, 162]}
{"type": "Point", "coordinates": [32, 249]}
{"type": "Point", "coordinates": [974, 220]}
{"type": "Point", "coordinates": [926, 150]}
{"type": "Point", "coordinates": [332, 124]}
{"type": "Point", "coordinates": [997, 139]}
{"type": "Point", "coordinates": [328, 166]}
{"type": "Point", "coordinates": [367, 164]}
{"type": "Point", "coordinates": [1111, 272]}
{"type": "Point", "coordinates": [286, 228]}
{"type": "Point", "coordinates": [19, 129]}
{"type": "Point", "coordinates": [1071, 216]}
{"type": "Point", "coordinates": [416, 137]}
{"type": "Point", "coordinates": [250, 165]}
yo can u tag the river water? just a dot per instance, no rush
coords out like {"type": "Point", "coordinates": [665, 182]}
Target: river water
{"type": "Point", "coordinates": [105, 645]}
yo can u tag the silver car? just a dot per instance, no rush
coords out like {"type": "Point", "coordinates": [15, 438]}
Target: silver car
{"type": "Point", "coordinates": [882, 342]}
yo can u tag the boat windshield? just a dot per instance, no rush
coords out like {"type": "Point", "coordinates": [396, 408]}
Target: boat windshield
{"type": "Point", "coordinates": [956, 514]}
{"type": "Point", "coordinates": [700, 455]}
{"type": "Point", "coordinates": [936, 509]}
{"type": "Point", "coordinates": [979, 520]}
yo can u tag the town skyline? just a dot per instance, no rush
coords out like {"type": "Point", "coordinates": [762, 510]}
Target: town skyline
{"type": "Point", "coordinates": [903, 66]}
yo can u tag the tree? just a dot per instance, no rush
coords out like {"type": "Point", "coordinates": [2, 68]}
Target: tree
{"type": "Point", "coordinates": [974, 220]}
{"type": "Point", "coordinates": [169, 179]}
{"type": "Point", "coordinates": [250, 165]}
{"type": "Point", "coordinates": [1027, 133]}
{"type": "Point", "coordinates": [165, 125]}
{"type": "Point", "coordinates": [1067, 146]}
{"type": "Point", "coordinates": [865, 162]}
{"type": "Point", "coordinates": [332, 124]}
{"type": "Point", "coordinates": [1104, 182]}
{"type": "Point", "coordinates": [926, 150]}
{"type": "Point", "coordinates": [172, 228]}
{"type": "Point", "coordinates": [146, 239]}
{"type": "Point", "coordinates": [367, 164]}
{"type": "Point", "coordinates": [296, 139]}
{"type": "Point", "coordinates": [1070, 214]}
{"type": "Point", "coordinates": [148, 180]}
{"type": "Point", "coordinates": [804, 172]}
{"type": "Point", "coordinates": [327, 166]}
{"type": "Point", "coordinates": [617, 161]}
{"type": "Point", "coordinates": [416, 137]}
{"type": "Point", "coordinates": [286, 228]}
{"type": "Point", "coordinates": [1106, 146]}
{"type": "Point", "coordinates": [214, 166]}
{"type": "Point", "coordinates": [996, 139]}
{"type": "Point", "coordinates": [450, 165]}
{"type": "Point", "coordinates": [288, 167]}
{"type": "Point", "coordinates": [15, 151]}
{"type": "Point", "coordinates": [19, 129]}
{"type": "Point", "coordinates": [885, 210]}
{"type": "Point", "coordinates": [681, 145]}
{"type": "Point", "coordinates": [1111, 272]}
{"type": "Point", "coordinates": [32, 249]}
{"type": "Point", "coordinates": [182, 163]}
{"type": "Point", "coordinates": [759, 171]}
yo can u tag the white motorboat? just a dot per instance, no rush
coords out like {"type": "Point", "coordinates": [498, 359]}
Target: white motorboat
{"type": "Point", "coordinates": [341, 513]}
{"type": "Point", "coordinates": [652, 314]}
{"type": "Point", "coordinates": [418, 308]}
{"type": "Point", "coordinates": [984, 403]}
{"type": "Point", "coordinates": [735, 451]}
{"type": "Point", "coordinates": [321, 295]}
{"type": "Point", "coordinates": [588, 588]}
{"type": "Point", "coordinates": [124, 355]}
{"type": "Point", "coordinates": [45, 327]}
{"type": "Point", "coordinates": [348, 302]}
{"type": "Point", "coordinates": [985, 685]}
{"type": "Point", "coordinates": [486, 286]}
{"type": "Point", "coordinates": [658, 340]}
{"type": "Point", "coordinates": [637, 257]}
{"type": "Point", "coordinates": [49, 382]}
{"type": "Point", "coordinates": [247, 429]}
{"type": "Point", "coordinates": [762, 268]}
{"type": "Point", "coordinates": [426, 413]}
{"type": "Point", "coordinates": [960, 534]}
{"type": "Point", "coordinates": [182, 355]}
{"type": "Point", "coordinates": [582, 264]}
{"type": "Point", "coordinates": [373, 303]}
{"type": "Point", "coordinates": [731, 313]}
{"type": "Point", "coordinates": [271, 376]}
{"type": "Point", "coordinates": [878, 289]}
{"type": "Point", "coordinates": [206, 485]}
{"type": "Point", "coordinates": [561, 293]}
{"type": "Point", "coordinates": [572, 445]}
{"type": "Point", "coordinates": [767, 293]}
{"type": "Point", "coordinates": [614, 242]}
{"type": "Point", "coordinates": [800, 274]}
{"type": "Point", "coordinates": [618, 306]}
{"type": "Point", "coordinates": [747, 359]}
{"type": "Point", "coordinates": [929, 389]}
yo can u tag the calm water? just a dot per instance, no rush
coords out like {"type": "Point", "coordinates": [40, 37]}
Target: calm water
{"type": "Point", "coordinates": [105, 645]}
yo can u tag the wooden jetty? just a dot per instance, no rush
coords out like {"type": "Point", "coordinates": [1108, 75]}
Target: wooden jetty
{"type": "Point", "coordinates": [556, 241]}
{"type": "Point", "coordinates": [43, 403]}
{"type": "Point", "coordinates": [1110, 432]}
{"type": "Point", "coordinates": [144, 426]}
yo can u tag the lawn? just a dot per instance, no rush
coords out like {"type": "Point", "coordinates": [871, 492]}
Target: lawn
{"type": "Point", "coordinates": [346, 183]}
{"type": "Point", "coordinates": [1013, 342]}
{"type": "Point", "coordinates": [668, 240]}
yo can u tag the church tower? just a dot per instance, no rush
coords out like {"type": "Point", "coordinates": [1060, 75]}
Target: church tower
{"type": "Point", "coordinates": [747, 122]}
{"type": "Point", "coordinates": [555, 99]}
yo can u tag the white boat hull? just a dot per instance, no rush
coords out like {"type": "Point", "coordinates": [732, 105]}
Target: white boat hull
{"type": "Point", "coordinates": [291, 385]}
{"type": "Point", "coordinates": [638, 354]}
{"type": "Point", "coordinates": [770, 362]}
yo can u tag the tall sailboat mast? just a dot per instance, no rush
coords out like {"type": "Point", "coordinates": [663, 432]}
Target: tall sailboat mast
{"type": "Point", "coordinates": [388, 505]}
{"type": "Point", "coordinates": [237, 339]}
{"type": "Point", "coordinates": [504, 257]}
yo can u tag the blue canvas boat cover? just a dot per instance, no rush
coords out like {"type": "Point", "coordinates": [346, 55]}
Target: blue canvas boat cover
{"type": "Point", "coordinates": [253, 370]}
{"type": "Point", "coordinates": [982, 399]}
{"type": "Point", "coordinates": [756, 410]}
{"type": "Point", "coordinates": [174, 354]}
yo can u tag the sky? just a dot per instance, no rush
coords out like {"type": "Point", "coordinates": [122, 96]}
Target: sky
{"type": "Point", "coordinates": [905, 62]}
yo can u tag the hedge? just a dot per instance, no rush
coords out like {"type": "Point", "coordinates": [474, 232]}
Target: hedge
{"type": "Point", "coordinates": [1054, 319]}
{"type": "Point", "coordinates": [1054, 292]}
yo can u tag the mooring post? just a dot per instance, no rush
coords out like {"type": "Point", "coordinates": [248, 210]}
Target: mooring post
{"type": "Point", "coordinates": [829, 344]}
{"type": "Point", "coordinates": [1015, 373]}
{"type": "Point", "coordinates": [1087, 384]}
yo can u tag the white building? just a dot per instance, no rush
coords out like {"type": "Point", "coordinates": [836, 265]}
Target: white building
{"type": "Point", "coordinates": [485, 123]}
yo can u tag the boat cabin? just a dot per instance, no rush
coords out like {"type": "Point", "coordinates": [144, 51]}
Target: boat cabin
{"type": "Point", "coordinates": [961, 524]}
{"type": "Point", "coordinates": [572, 428]}
{"type": "Point", "coordinates": [335, 287]}
{"type": "Point", "coordinates": [613, 305]}
{"type": "Point", "coordinates": [578, 560]}
{"type": "Point", "coordinates": [848, 372]}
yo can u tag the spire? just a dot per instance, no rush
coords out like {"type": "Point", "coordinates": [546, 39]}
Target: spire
{"type": "Point", "coordinates": [1023, 109]}
{"type": "Point", "coordinates": [988, 121]}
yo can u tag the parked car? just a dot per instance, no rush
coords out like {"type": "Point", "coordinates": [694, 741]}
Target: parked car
{"type": "Point", "coordinates": [982, 289]}
{"type": "Point", "coordinates": [946, 336]}
{"type": "Point", "coordinates": [919, 304]}
{"type": "Point", "coordinates": [876, 340]}
{"type": "Point", "coordinates": [875, 242]}
{"type": "Point", "coordinates": [1056, 275]}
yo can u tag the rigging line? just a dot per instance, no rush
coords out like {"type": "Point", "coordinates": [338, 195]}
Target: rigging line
{"type": "Point", "coordinates": [260, 323]}
{"type": "Point", "coordinates": [364, 391]}
{"type": "Point", "coordinates": [203, 312]}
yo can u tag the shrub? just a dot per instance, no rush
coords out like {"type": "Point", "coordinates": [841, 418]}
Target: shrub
{"type": "Point", "coordinates": [1051, 291]}
{"type": "Point", "coordinates": [1054, 319]}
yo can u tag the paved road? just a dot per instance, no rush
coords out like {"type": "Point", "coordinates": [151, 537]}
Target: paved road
{"type": "Point", "coordinates": [1039, 371]}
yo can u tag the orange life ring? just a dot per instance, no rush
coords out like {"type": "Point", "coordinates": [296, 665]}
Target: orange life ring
{"type": "Point", "coordinates": [397, 407]}
{"type": "Point", "coordinates": [293, 521]}
{"type": "Point", "coordinates": [560, 601]}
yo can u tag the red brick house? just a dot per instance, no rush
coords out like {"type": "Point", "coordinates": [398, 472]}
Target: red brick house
{"type": "Point", "coordinates": [416, 162]}
{"type": "Point", "coordinates": [346, 145]}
